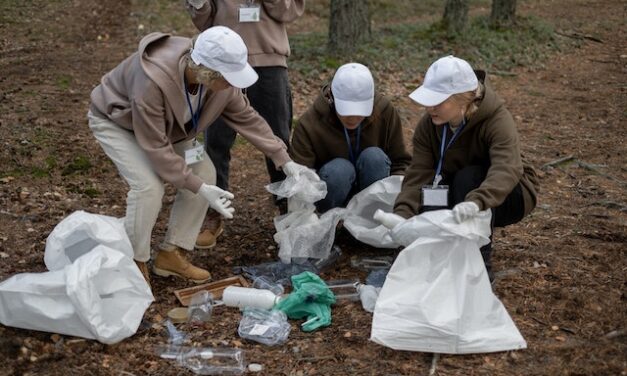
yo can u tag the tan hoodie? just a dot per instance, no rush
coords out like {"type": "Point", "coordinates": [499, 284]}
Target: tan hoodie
{"type": "Point", "coordinates": [145, 94]}
{"type": "Point", "coordinates": [267, 39]}
{"type": "Point", "coordinates": [489, 139]}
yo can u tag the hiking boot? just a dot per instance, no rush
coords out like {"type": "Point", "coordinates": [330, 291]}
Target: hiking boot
{"type": "Point", "coordinates": [144, 269]}
{"type": "Point", "coordinates": [169, 263]}
{"type": "Point", "coordinates": [208, 237]}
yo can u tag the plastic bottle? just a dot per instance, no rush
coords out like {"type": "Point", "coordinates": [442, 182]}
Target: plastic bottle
{"type": "Point", "coordinates": [200, 307]}
{"type": "Point", "coordinates": [212, 361]}
{"type": "Point", "coordinates": [265, 283]}
{"type": "Point", "coordinates": [235, 296]}
{"type": "Point", "coordinates": [368, 295]}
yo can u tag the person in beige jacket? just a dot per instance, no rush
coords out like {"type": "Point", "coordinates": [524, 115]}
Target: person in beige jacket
{"type": "Point", "coordinates": [146, 114]}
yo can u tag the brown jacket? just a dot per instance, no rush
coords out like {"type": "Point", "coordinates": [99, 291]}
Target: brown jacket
{"type": "Point", "coordinates": [267, 39]}
{"type": "Point", "coordinates": [489, 139]}
{"type": "Point", "coordinates": [319, 136]}
{"type": "Point", "coordinates": [145, 94]}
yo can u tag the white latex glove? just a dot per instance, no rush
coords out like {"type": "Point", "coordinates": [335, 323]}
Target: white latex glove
{"type": "Point", "coordinates": [292, 168]}
{"type": "Point", "coordinates": [389, 220]}
{"type": "Point", "coordinates": [465, 210]}
{"type": "Point", "coordinates": [197, 4]}
{"type": "Point", "coordinates": [219, 199]}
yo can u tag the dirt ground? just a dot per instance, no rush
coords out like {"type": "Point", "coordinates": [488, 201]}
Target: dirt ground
{"type": "Point", "coordinates": [560, 272]}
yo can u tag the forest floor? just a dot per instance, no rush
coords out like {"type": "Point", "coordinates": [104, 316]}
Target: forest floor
{"type": "Point", "coordinates": [561, 272]}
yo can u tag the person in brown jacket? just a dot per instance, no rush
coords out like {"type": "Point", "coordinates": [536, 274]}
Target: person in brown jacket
{"type": "Point", "coordinates": [350, 135]}
{"type": "Point", "coordinates": [262, 24]}
{"type": "Point", "coordinates": [466, 152]}
{"type": "Point", "coordinates": [146, 114]}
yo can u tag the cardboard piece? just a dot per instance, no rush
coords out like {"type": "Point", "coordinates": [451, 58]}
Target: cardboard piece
{"type": "Point", "coordinates": [215, 288]}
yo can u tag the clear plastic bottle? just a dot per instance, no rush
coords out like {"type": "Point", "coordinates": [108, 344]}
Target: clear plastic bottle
{"type": "Point", "coordinates": [200, 307]}
{"type": "Point", "coordinates": [212, 361]}
{"type": "Point", "coordinates": [344, 289]}
{"type": "Point", "coordinates": [368, 295]}
{"type": "Point", "coordinates": [265, 283]}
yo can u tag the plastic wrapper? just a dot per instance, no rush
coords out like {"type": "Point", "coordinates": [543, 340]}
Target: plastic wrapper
{"type": "Point", "coordinates": [264, 326]}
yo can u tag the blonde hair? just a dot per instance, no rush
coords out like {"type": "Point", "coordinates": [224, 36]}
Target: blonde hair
{"type": "Point", "coordinates": [203, 74]}
{"type": "Point", "coordinates": [470, 100]}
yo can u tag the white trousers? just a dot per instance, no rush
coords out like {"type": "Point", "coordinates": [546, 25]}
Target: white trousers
{"type": "Point", "coordinates": [146, 190]}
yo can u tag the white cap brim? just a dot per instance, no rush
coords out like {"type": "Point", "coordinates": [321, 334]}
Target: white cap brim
{"type": "Point", "coordinates": [427, 97]}
{"type": "Point", "coordinates": [243, 78]}
{"type": "Point", "coordinates": [350, 108]}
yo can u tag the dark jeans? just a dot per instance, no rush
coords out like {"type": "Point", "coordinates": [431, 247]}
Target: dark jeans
{"type": "Point", "coordinates": [272, 98]}
{"type": "Point", "coordinates": [344, 180]}
{"type": "Point", "coordinates": [509, 212]}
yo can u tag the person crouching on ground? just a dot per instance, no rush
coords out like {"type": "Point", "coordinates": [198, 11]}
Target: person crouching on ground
{"type": "Point", "coordinates": [466, 144]}
{"type": "Point", "coordinates": [146, 114]}
{"type": "Point", "coordinates": [351, 136]}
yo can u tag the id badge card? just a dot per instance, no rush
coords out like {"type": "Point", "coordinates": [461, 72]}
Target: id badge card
{"type": "Point", "coordinates": [249, 13]}
{"type": "Point", "coordinates": [435, 196]}
{"type": "Point", "coordinates": [195, 154]}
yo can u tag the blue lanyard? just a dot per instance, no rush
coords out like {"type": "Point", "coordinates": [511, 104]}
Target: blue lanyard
{"type": "Point", "coordinates": [195, 116]}
{"type": "Point", "coordinates": [353, 153]}
{"type": "Point", "coordinates": [443, 148]}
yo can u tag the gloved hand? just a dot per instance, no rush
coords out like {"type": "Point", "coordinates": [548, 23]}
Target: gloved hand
{"type": "Point", "coordinates": [219, 199]}
{"type": "Point", "coordinates": [197, 4]}
{"type": "Point", "coordinates": [389, 220]}
{"type": "Point", "coordinates": [465, 210]}
{"type": "Point", "coordinates": [292, 168]}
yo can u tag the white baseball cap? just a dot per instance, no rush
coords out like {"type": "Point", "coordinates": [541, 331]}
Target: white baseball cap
{"type": "Point", "coordinates": [353, 90]}
{"type": "Point", "coordinates": [223, 50]}
{"type": "Point", "coordinates": [447, 76]}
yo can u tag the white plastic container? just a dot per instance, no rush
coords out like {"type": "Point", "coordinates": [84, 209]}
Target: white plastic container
{"type": "Point", "coordinates": [241, 297]}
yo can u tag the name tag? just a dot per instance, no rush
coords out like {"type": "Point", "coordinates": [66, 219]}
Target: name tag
{"type": "Point", "coordinates": [195, 154]}
{"type": "Point", "coordinates": [249, 14]}
{"type": "Point", "coordinates": [435, 196]}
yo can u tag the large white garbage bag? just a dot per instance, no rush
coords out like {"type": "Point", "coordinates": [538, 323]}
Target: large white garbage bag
{"type": "Point", "coordinates": [79, 233]}
{"type": "Point", "coordinates": [101, 295]}
{"type": "Point", "coordinates": [437, 296]}
{"type": "Point", "coordinates": [361, 207]}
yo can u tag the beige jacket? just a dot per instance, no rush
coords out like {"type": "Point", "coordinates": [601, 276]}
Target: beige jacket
{"type": "Point", "coordinates": [145, 94]}
{"type": "Point", "coordinates": [267, 39]}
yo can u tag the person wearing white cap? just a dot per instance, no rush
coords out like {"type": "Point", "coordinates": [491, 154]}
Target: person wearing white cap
{"type": "Point", "coordinates": [146, 114]}
{"type": "Point", "coordinates": [351, 135]}
{"type": "Point", "coordinates": [262, 24]}
{"type": "Point", "coordinates": [466, 152]}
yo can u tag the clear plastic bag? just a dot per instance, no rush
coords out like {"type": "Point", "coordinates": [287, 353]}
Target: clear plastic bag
{"type": "Point", "coordinates": [264, 326]}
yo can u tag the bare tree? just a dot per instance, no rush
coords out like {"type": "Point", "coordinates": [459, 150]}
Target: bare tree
{"type": "Point", "coordinates": [455, 16]}
{"type": "Point", "coordinates": [503, 13]}
{"type": "Point", "coordinates": [349, 25]}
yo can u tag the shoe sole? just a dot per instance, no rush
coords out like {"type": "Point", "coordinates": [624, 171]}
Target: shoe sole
{"type": "Point", "coordinates": [211, 245]}
{"type": "Point", "coordinates": [168, 273]}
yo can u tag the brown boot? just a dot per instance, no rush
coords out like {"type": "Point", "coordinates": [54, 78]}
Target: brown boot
{"type": "Point", "coordinates": [169, 263]}
{"type": "Point", "coordinates": [207, 238]}
{"type": "Point", "coordinates": [144, 269]}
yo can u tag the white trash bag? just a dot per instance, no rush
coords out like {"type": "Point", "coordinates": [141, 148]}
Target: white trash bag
{"type": "Point", "coordinates": [361, 207]}
{"type": "Point", "coordinates": [102, 295]}
{"type": "Point", "coordinates": [79, 233]}
{"type": "Point", "coordinates": [437, 296]}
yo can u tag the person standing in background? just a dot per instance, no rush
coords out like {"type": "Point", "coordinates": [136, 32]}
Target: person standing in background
{"type": "Point", "coordinates": [262, 26]}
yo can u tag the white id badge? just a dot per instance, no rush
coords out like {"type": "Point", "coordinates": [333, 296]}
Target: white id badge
{"type": "Point", "coordinates": [435, 196]}
{"type": "Point", "coordinates": [250, 13]}
{"type": "Point", "coordinates": [195, 154]}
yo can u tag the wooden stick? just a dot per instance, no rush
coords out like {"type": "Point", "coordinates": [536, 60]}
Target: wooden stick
{"type": "Point", "coordinates": [557, 162]}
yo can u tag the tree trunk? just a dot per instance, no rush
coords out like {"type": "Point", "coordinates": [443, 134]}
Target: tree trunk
{"type": "Point", "coordinates": [503, 13]}
{"type": "Point", "coordinates": [455, 16]}
{"type": "Point", "coordinates": [349, 25]}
